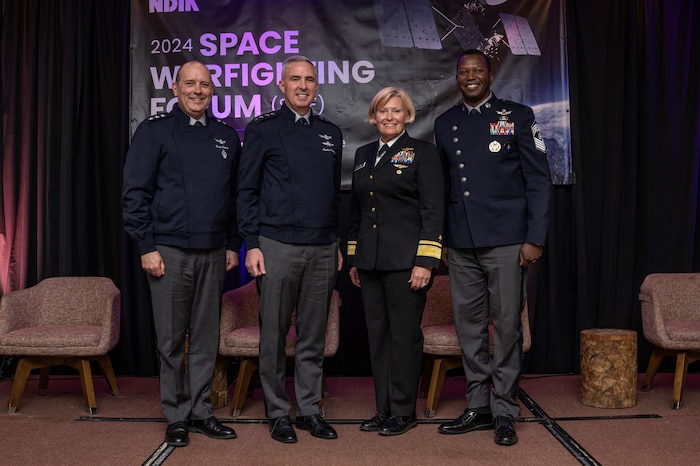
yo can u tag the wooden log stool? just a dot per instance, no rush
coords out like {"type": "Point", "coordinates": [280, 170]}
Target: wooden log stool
{"type": "Point", "coordinates": [608, 368]}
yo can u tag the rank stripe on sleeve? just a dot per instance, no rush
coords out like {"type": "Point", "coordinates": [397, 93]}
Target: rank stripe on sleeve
{"type": "Point", "coordinates": [427, 248]}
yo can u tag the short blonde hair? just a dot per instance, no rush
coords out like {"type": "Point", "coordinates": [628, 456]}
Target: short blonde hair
{"type": "Point", "coordinates": [384, 95]}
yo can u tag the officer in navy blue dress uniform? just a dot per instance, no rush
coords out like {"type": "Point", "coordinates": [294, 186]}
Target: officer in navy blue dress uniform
{"type": "Point", "coordinates": [288, 200]}
{"type": "Point", "coordinates": [179, 208]}
{"type": "Point", "coordinates": [394, 245]}
{"type": "Point", "coordinates": [499, 191]}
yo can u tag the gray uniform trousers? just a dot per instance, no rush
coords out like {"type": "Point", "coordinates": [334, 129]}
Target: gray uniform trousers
{"type": "Point", "coordinates": [479, 277]}
{"type": "Point", "coordinates": [187, 300]}
{"type": "Point", "coordinates": [301, 276]}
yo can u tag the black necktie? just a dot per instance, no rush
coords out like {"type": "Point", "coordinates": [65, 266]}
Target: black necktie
{"type": "Point", "coordinates": [302, 121]}
{"type": "Point", "coordinates": [474, 111]}
{"type": "Point", "coordinates": [380, 154]}
{"type": "Point", "coordinates": [198, 123]}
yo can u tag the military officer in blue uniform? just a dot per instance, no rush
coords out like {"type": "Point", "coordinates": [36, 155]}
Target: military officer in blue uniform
{"type": "Point", "coordinates": [179, 208]}
{"type": "Point", "coordinates": [499, 190]}
{"type": "Point", "coordinates": [394, 246]}
{"type": "Point", "coordinates": [288, 201]}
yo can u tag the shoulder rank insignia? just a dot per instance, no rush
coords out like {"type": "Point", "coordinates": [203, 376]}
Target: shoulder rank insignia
{"type": "Point", "coordinates": [158, 116]}
{"type": "Point", "coordinates": [265, 116]}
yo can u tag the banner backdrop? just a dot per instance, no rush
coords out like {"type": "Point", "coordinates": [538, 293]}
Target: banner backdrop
{"type": "Point", "coordinates": [359, 47]}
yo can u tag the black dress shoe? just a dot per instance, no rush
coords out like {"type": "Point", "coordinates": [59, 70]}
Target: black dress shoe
{"type": "Point", "coordinates": [505, 431]}
{"type": "Point", "coordinates": [397, 425]}
{"type": "Point", "coordinates": [281, 430]}
{"type": "Point", "coordinates": [176, 435]}
{"type": "Point", "coordinates": [316, 426]}
{"type": "Point", "coordinates": [373, 425]}
{"type": "Point", "coordinates": [470, 420]}
{"type": "Point", "coordinates": [212, 428]}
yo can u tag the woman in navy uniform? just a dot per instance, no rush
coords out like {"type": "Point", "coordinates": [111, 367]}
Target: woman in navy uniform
{"type": "Point", "coordinates": [394, 244]}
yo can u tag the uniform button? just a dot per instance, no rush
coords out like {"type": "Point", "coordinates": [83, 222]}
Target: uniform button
{"type": "Point", "coordinates": [464, 179]}
{"type": "Point", "coordinates": [371, 177]}
{"type": "Point", "coordinates": [460, 166]}
{"type": "Point", "coordinates": [371, 193]}
{"type": "Point", "coordinates": [374, 209]}
{"type": "Point", "coordinates": [455, 139]}
{"type": "Point", "coordinates": [374, 226]}
{"type": "Point", "coordinates": [458, 152]}
{"type": "Point", "coordinates": [454, 128]}
{"type": "Point", "coordinates": [466, 193]}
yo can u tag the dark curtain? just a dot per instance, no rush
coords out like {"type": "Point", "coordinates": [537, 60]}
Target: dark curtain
{"type": "Point", "coordinates": [634, 209]}
{"type": "Point", "coordinates": [65, 82]}
{"type": "Point", "coordinates": [635, 97]}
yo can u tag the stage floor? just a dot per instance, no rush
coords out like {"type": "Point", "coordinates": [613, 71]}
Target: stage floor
{"type": "Point", "coordinates": [554, 428]}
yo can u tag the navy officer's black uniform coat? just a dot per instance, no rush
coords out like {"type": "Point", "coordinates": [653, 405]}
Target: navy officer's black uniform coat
{"type": "Point", "coordinates": [397, 207]}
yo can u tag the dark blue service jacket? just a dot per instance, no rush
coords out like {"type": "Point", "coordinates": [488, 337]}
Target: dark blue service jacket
{"type": "Point", "coordinates": [180, 183]}
{"type": "Point", "coordinates": [497, 175]}
{"type": "Point", "coordinates": [289, 180]}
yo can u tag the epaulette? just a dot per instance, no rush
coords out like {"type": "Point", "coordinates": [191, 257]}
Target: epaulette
{"type": "Point", "coordinates": [221, 121]}
{"type": "Point", "coordinates": [266, 116]}
{"type": "Point", "coordinates": [510, 102]}
{"type": "Point", "coordinates": [322, 118]}
{"type": "Point", "coordinates": [159, 116]}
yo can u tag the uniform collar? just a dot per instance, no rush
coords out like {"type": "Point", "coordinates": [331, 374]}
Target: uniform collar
{"type": "Point", "coordinates": [294, 116]}
{"type": "Point", "coordinates": [392, 142]}
{"type": "Point", "coordinates": [486, 101]}
{"type": "Point", "coordinates": [186, 119]}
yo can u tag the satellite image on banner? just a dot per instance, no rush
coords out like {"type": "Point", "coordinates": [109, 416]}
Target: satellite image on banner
{"type": "Point", "coordinates": [358, 47]}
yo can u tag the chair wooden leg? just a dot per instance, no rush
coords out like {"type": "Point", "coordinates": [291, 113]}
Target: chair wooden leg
{"type": "Point", "coordinates": [24, 367]}
{"type": "Point", "coordinates": [324, 394]}
{"type": "Point", "coordinates": [324, 386]}
{"type": "Point", "coordinates": [245, 374]}
{"type": "Point", "coordinates": [106, 367]}
{"type": "Point", "coordinates": [428, 361]}
{"type": "Point", "coordinates": [679, 379]}
{"type": "Point", "coordinates": [683, 359]}
{"type": "Point", "coordinates": [440, 367]}
{"type": "Point", "coordinates": [83, 366]}
{"type": "Point", "coordinates": [18, 383]}
{"type": "Point", "coordinates": [657, 355]}
{"type": "Point", "coordinates": [44, 380]}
